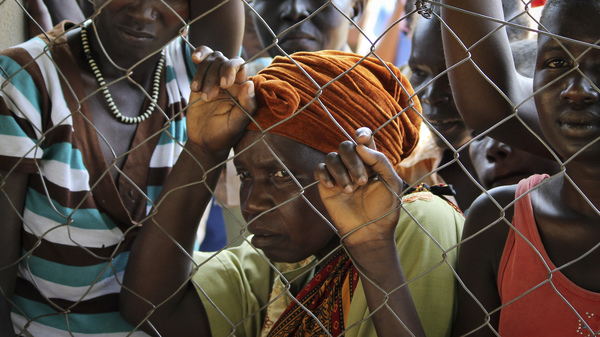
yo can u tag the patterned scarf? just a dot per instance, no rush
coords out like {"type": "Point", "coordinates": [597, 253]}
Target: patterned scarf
{"type": "Point", "coordinates": [327, 296]}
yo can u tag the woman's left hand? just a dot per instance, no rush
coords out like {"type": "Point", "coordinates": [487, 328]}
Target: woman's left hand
{"type": "Point", "coordinates": [359, 186]}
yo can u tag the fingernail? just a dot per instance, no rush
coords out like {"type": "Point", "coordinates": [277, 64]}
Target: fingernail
{"type": "Point", "coordinates": [195, 86]}
{"type": "Point", "coordinates": [198, 55]}
{"type": "Point", "coordinates": [348, 189]}
{"type": "Point", "coordinates": [251, 91]}
{"type": "Point", "coordinates": [329, 183]}
{"type": "Point", "coordinates": [362, 180]}
{"type": "Point", "coordinates": [224, 81]}
{"type": "Point", "coordinates": [204, 97]}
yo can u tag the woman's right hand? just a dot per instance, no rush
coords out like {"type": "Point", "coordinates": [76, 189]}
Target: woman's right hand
{"type": "Point", "coordinates": [221, 101]}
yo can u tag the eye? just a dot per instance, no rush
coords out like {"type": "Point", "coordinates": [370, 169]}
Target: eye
{"type": "Point", "coordinates": [417, 72]}
{"type": "Point", "coordinates": [244, 175]}
{"type": "Point", "coordinates": [281, 174]}
{"type": "Point", "coordinates": [556, 63]}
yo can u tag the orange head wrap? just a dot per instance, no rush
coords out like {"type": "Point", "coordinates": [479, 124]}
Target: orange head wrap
{"type": "Point", "coordinates": [368, 95]}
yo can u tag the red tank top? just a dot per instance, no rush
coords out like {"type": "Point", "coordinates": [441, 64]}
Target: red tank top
{"type": "Point", "coordinates": [552, 304]}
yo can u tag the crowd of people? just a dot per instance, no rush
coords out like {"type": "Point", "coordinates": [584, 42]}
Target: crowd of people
{"type": "Point", "coordinates": [446, 192]}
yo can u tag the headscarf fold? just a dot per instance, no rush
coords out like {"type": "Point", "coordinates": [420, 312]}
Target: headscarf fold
{"type": "Point", "coordinates": [294, 98]}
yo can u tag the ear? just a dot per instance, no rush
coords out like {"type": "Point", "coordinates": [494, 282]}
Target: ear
{"type": "Point", "coordinates": [357, 9]}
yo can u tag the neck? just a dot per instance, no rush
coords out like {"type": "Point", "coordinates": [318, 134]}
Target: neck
{"type": "Point", "coordinates": [116, 64]}
{"type": "Point", "coordinates": [581, 185]}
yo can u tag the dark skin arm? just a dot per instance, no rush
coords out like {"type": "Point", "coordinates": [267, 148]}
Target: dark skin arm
{"type": "Point", "coordinates": [12, 202]}
{"type": "Point", "coordinates": [354, 197]}
{"type": "Point", "coordinates": [481, 104]}
{"type": "Point", "coordinates": [478, 262]}
{"type": "Point", "coordinates": [158, 270]}
{"type": "Point", "coordinates": [228, 37]}
{"type": "Point", "coordinates": [64, 10]}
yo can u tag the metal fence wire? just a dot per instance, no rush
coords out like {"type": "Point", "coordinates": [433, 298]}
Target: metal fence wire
{"type": "Point", "coordinates": [75, 193]}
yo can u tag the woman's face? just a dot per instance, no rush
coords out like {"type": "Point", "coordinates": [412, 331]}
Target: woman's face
{"type": "Point", "coordinates": [327, 29]}
{"type": "Point", "coordinates": [133, 29]}
{"type": "Point", "coordinates": [426, 61]}
{"type": "Point", "coordinates": [566, 81]}
{"type": "Point", "coordinates": [285, 225]}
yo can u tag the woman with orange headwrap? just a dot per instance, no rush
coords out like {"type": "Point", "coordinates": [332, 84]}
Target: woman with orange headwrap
{"type": "Point", "coordinates": [356, 255]}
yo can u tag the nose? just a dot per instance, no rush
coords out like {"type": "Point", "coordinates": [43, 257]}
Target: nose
{"type": "Point", "coordinates": [294, 10]}
{"type": "Point", "coordinates": [437, 92]}
{"type": "Point", "coordinates": [143, 11]}
{"type": "Point", "coordinates": [254, 200]}
{"type": "Point", "coordinates": [496, 151]}
{"type": "Point", "coordinates": [579, 91]}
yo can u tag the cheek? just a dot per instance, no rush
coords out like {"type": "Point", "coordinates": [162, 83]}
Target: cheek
{"type": "Point", "coordinates": [544, 115]}
{"type": "Point", "coordinates": [477, 154]}
{"type": "Point", "coordinates": [332, 24]}
{"type": "Point", "coordinates": [311, 211]}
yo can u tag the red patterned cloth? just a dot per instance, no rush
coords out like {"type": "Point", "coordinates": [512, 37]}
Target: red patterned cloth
{"type": "Point", "coordinates": [327, 296]}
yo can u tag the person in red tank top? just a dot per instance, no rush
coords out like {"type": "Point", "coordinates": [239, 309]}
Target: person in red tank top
{"type": "Point", "coordinates": [529, 256]}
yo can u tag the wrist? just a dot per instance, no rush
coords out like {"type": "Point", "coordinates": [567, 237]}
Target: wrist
{"type": "Point", "coordinates": [372, 249]}
{"type": "Point", "coordinates": [200, 157]}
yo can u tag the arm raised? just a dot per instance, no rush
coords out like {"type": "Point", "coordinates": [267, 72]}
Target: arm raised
{"type": "Point", "coordinates": [218, 24]}
{"type": "Point", "coordinates": [159, 266]}
{"type": "Point", "coordinates": [478, 56]}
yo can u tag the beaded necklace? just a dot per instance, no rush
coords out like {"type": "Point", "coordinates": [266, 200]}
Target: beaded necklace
{"type": "Point", "coordinates": [155, 85]}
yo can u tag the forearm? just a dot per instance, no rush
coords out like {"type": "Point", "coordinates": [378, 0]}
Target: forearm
{"type": "Point", "coordinates": [7, 284]}
{"type": "Point", "coordinates": [491, 55]}
{"type": "Point", "coordinates": [159, 265]}
{"type": "Point", "coordinates": [389, 299]}
{"type": "Point", "coordinates": [12, 200]}
{"type": "Point", "coordinates": [64, 10]}
{"type": "Point", "coordinates": [484, 100]}
{"type": "Point", "coordinates": [228, 17]}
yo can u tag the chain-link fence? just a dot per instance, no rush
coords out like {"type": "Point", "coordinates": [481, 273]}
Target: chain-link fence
{"type": "Point", "coordinates": [93, 119]}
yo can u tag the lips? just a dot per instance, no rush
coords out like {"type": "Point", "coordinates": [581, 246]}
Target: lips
{"type": "Point", "coordinates": [262, 237]}
{"type": "Point", "coordinates": [296, 37]}
{"type": "Point", "coordinates": [579, 124]}
{"type": "Point", "coordinates": [445, 126]}
{"type": "Point", "coordinates": [136, 35]}
{"type": "Point", "coordinates": [263, 240]}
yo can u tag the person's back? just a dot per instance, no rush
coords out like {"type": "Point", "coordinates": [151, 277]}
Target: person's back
{"type": "Point", "coordinates": [81, 165]}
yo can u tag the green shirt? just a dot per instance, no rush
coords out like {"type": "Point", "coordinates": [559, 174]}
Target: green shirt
{"type": "Point", "coordinates": [235, 284]}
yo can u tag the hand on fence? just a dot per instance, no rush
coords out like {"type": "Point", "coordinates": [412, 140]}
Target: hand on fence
{"type": "Point", "coordinates": [221, 100]}
{"type": "Point", "coordinates": [358, 185]}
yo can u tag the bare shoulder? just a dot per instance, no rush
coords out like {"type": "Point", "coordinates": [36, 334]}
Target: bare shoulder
{"type": "Point", "coordinates": [492, 207]}
{"type": "Point", "coordinates": [480, 252]}
{"type": "Point", "coordinates": [487, 224]}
